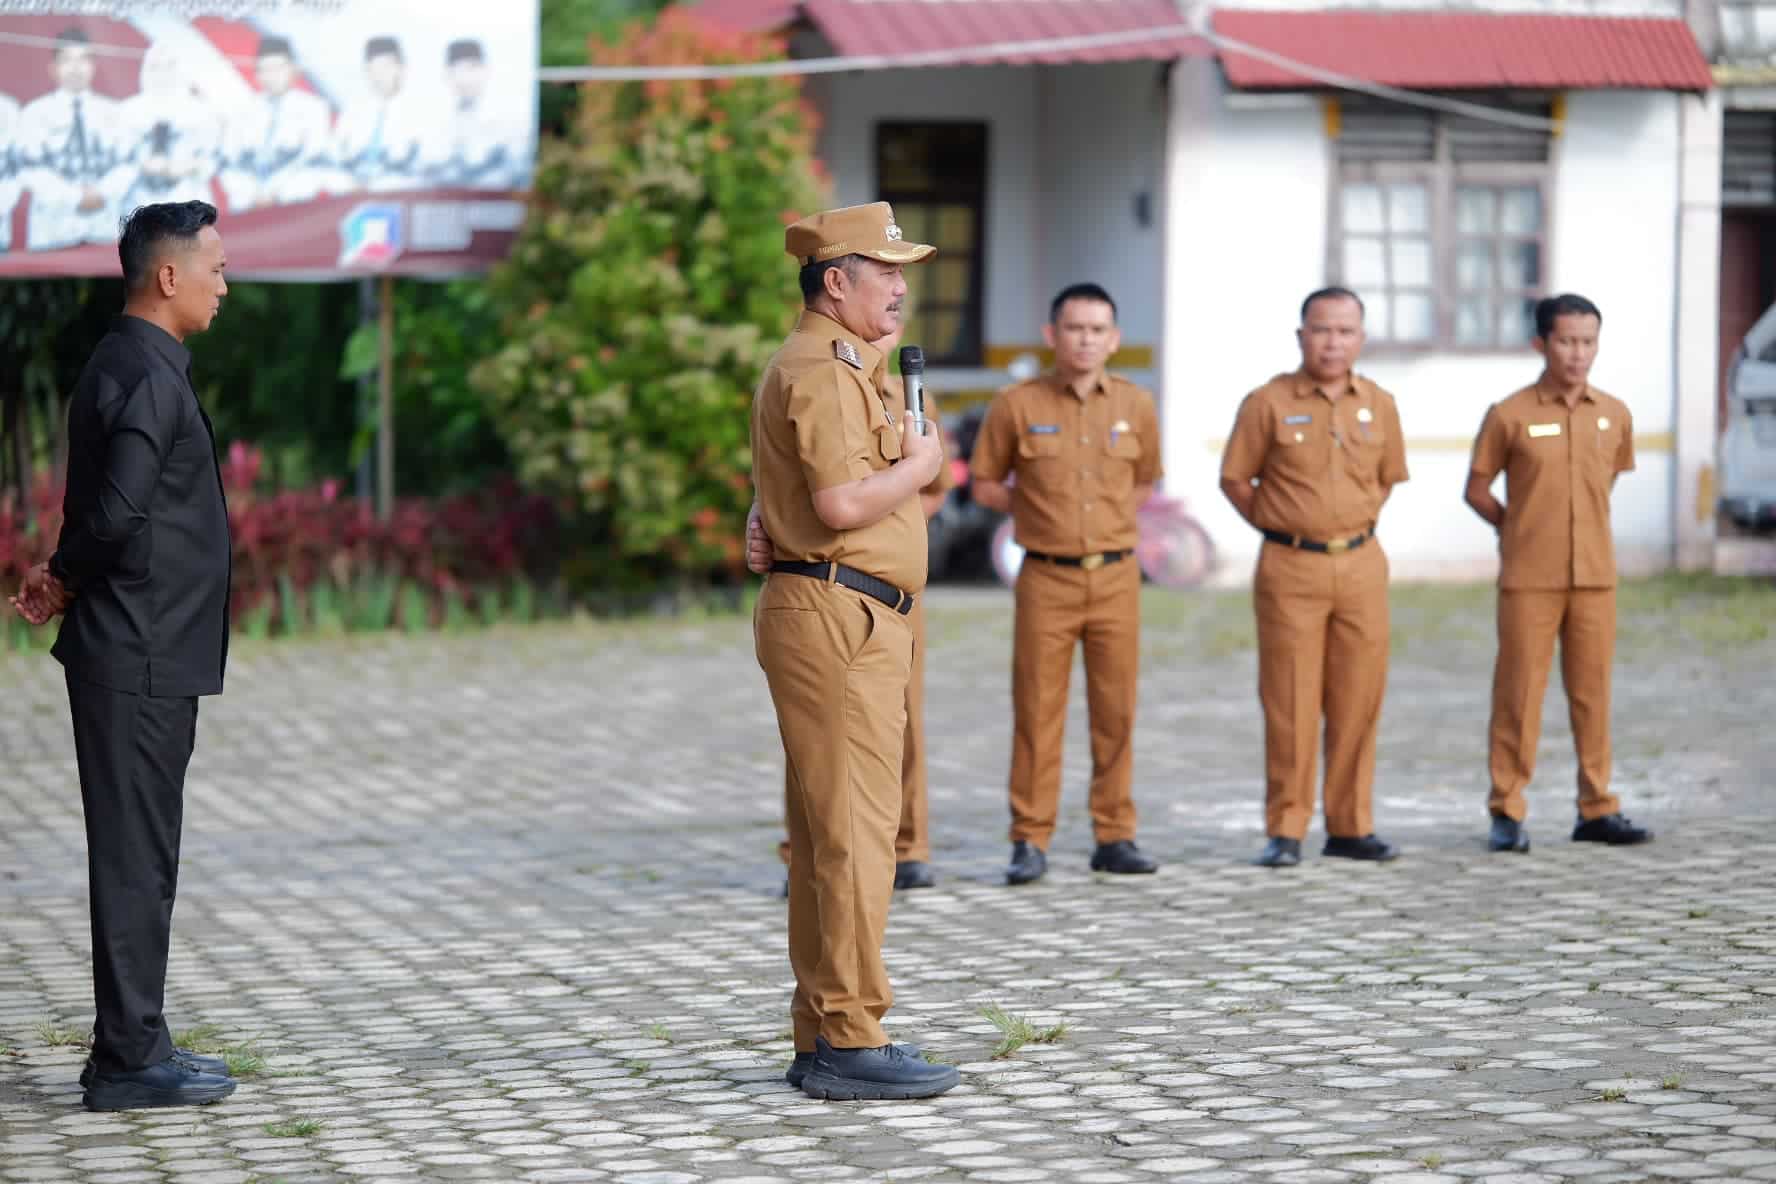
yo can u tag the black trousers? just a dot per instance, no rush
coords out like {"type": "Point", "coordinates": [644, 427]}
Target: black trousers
{"type": "Point", "coordinates": [133, 750]}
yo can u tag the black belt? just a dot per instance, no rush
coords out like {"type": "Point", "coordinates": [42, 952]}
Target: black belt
{"type": "Point", "coordinates": [882, 590]}
{"type": "Point", "coordinates": [1089, 562]}
{"type": "Point", "coordinates": [1335, 547]}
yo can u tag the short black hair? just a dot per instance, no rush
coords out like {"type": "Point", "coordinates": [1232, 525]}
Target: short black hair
{"type": "Point", "coordinates": [465, 50]}
{"type": "Point", "coordinates": [270, 47]}
{"type": "Point", "coordinates": [72, 37]}
{"type": "Point", "coordinates": [1334, 292]}
{"type": "Point", "coordinates": [813, 276]}
{"type": "Point", "coordinates": [1092, 292]}
{"type": "Point", "coordinates": [1551, 308]}
{"type": "Point", "coordinates": [378, 47]}
{"type": "Point", "coordinates": [148, 228]}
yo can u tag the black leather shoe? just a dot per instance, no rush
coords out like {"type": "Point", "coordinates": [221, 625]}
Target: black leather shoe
{"type": "Point", "coordinates": [167, 1083]}
{"type": "Point", "coordinates": [1280, 853]}
{"type": "Point", "coordinates": [1028, 864]}
{"type": "Point", "coordinates": [1368, 847]}
{"type": "Point", "coordinates": [1613, 829]}
{"type": "Point", "coordinates": [214, 1066]}
{"type": "Point", "coordinates": [873, 1074]}
{"type": "Point", "coordinates": [1507, 835]}
{"type": "Point", "coordinates": [1123, 858]}
{"type": "Point", "coordinates": [912, 873]}
{"type": "Point", "coordinates": [804, 1061]}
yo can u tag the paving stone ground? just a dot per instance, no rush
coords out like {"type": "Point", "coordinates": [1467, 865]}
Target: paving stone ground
{"type": "Point", "coordinates": [505, 907]}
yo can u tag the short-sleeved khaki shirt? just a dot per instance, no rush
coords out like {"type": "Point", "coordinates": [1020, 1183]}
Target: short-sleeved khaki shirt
{"type": "Point", "coordinates": [1559, 464]}
{"type": "Point", "coordinates": [821, 417]}
{"type": "Point", "coordinates": [1324, 465]}
{"type": "Point", "coordinates": [1078, 461]}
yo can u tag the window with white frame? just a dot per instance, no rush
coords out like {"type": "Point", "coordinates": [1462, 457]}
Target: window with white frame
{"type": "Point", "coordinates": [1440, 222]}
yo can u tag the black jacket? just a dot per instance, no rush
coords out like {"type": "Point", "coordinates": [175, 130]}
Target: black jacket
{"type": "Point", "coordinates": [145, 546]}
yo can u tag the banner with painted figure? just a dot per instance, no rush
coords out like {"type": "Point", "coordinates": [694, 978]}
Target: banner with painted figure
{"type": "Point", "coordinates": [336, 137]}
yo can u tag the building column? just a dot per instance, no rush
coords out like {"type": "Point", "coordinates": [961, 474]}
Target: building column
{"type": "Point", "coordinates": [1697, 314]}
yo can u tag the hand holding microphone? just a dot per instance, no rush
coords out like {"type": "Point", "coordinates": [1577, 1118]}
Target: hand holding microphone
{"type": "Point", "coordinates": [921, 445]}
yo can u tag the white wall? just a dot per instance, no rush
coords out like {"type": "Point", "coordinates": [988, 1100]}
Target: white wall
{"type": "Point", "coordinates": [1249, 203]}
{"type": "Point", "coordinates": [1005, 97]}
{"type": "Point", "coordinates": [1069, 150]}
{"type": "Point", "coordinates": [1102, 146]}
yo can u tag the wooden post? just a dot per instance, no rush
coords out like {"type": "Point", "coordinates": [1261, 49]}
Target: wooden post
{"type": "Point", "coordinates": [385, 391]}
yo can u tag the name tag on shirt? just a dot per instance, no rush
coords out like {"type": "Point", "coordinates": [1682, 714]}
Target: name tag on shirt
{"type": "Point", "coordinates": [1538, 430]}
{"type": "Point", "coordinates": [1295, 419]}
{"type": "Point", "coordinates": [1045, 429]}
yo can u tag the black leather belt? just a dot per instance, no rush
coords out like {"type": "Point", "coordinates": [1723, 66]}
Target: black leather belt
{"type": "Point", "coordinates": [1089, 562]}
{"type": "Point", "coordinates": [882, 590]}
{"type": "Point", "coordinates": [1335, 547]}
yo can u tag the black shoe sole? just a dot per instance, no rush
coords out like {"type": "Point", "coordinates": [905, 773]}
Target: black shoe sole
{"type": "Point", "coordinates": [141, 1097]}
{"type": "Point", "coordinates": [914, 885]}
{"type": "Point", "coordinates": [1015, 880]}
{"type": "Point", "coordinates": [825, 1087]}
{"type": "Point", "coordinates": [1615, 842]}
{"type": "Point", "coordinates": [1520, 847]}
{"type": "Point", "coordinates": [1286, 861]}
{"type": "Point", "coordinates": [1388, 858]}
{"type": "Point", "coordinates": [1124, 871]}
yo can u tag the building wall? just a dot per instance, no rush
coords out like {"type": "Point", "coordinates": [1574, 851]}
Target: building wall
{"type": "Point", "coordinates": [1070, 148]}
{"type": "Point", "coordinates": [1248, 204]}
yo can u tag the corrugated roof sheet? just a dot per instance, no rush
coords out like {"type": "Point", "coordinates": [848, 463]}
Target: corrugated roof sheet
{"type": "Point", "coordinates": [1465, 50]}
{"type": "Point", "coordinates": [862, 27]}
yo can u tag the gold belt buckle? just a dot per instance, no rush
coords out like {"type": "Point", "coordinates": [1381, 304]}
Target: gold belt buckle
{"type": "Point", "coordinates": [1337, 546]}
{"type": "Point", "coordinates": [1093, 561]}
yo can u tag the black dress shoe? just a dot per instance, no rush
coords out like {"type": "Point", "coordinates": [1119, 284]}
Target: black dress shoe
{"type": "Point", "coordinates": [1123, 858]}
{"type": "Point", "coordinates": [170, 1082]}
{"type": "Point", "coordinates": [214, 1066]}
{"type": "Point", "coordinates": [1507, 835]}
{"type": "Point", "coordinates": [912, 873]}
{"type": "Point", "coordinates": [874, 1074]}
{"type": "Point", "coordinates": [1368, 847]}
{"type": "Point", "coordinates": [1280, 853]}
{"type": "Point", "coordinates": [804, 1061]}
{"type": "Point", "coordinates": [1613, 829]}
{"type": "Point", "coordinates": [1028, 864]}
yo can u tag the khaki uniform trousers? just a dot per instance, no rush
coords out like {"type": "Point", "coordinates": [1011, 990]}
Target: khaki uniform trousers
{"type": "Point", "coordinates": [1322, 651]}
{"type": "Point", "coordinates": [1057, 609]}
{"type": "Point", "coordinates": [913, 841]}
{"type": "Point", "coordinates": [1584, 619]}
{"type": "Point", "coordinates": [837, 664]}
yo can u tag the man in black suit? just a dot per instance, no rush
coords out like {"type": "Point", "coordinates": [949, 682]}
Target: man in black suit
{"type": "Point", "coordinates": [142, 570]}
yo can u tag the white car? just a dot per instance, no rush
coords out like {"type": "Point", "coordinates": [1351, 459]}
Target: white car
{"type": "Point", "coordinates": [1748, 445]}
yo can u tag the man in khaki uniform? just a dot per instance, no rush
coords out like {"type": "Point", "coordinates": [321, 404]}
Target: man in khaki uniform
{"type": "Point", "coordinates": [1311, 460]}
{"type": "Point", "coordinates": [1561, 444]}
{"type": "Point", "coordinates": [837, 477]}
{"type": "Point", "coordinates": [912, 844]}
{"type": "Point", "coordinates": [1083, 446]}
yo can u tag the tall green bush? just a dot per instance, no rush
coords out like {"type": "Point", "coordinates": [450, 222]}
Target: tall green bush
{"type": "Point", "coordinates": [643, 297]}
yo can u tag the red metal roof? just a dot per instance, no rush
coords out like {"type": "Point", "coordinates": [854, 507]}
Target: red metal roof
{"type": "Point", "coordinates": [866, 27]}
{"type": "Point", "coordinates": [1464, 50]}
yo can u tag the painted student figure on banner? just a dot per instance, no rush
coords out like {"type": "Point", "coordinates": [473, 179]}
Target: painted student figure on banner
{"type": "Point", "coordinates": [275, 147]}
{"type": "Point", "coordinates": [378, 141]}
{"type": "Point", "coordinates": [175, 135]}
{"type": "Point", "coordinates": [473, 149]}
{"type": "Point", "coordinates": [9, 168]}
{"type": "Point", "coordinates": [75, 167]}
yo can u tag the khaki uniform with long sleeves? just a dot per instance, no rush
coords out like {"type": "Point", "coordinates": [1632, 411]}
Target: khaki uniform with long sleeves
{"type": "Point", "coordinates": [837, 662]}
{"type": "Point", "coordinates": [1324, 462]}
{"type": "Point", "coordinates": [1557, 579]}
{"type": "Point", "coordinates": [1077, 460]}
{"type": "Point", "coordinates": [913, 841]}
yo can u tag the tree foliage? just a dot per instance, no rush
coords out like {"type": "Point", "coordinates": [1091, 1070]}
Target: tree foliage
{"type": "Point", "coordinates": [646, 292]}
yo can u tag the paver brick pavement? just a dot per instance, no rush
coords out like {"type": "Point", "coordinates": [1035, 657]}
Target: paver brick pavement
{"type": "Point", "coordinates": [505, 906]}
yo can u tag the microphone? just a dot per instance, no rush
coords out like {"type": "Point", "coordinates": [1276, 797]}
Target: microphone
{"type": "Point", "coordinates": [912, 374]}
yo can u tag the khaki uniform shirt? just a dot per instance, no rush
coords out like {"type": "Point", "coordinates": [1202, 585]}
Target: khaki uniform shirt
{"type": "Point", "coordinates": [945, 480]}
{"type": "Point", "coordinates": [1559, 465]}
{"type": "Point", "coordinates": [1324, 465]}
{"type": "Point", "coordinates": [821, 418]}
{"type": "Point", "coordinates": [1078, 461]}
